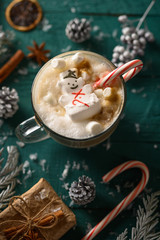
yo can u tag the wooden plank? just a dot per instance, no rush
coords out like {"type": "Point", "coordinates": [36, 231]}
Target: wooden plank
{"type": "Point", "coordinates": [96, 7]}
{"type": "Point", "coordinates": [101, 41]}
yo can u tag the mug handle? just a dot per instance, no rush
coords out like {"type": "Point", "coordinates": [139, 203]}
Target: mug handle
{"type": "Point", "coordinates": [29, 131]}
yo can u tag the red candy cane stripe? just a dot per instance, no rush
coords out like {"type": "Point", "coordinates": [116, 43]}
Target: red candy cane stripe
{"type": "Point", "coordinates": [127, 200]}
{"type": "Point", "coordinates": [130, 74]}
{"type": "Point", "coordinates": [127, 70]}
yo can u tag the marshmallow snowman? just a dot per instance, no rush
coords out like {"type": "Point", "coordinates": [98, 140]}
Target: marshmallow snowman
{"type": "Point", "coordinates": [78, 99]}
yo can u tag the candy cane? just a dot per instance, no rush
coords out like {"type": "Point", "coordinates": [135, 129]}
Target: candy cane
{"type": "Point", "coordinates": [127, 71]}
{"type": "Point", "coordinates": [127, 200]}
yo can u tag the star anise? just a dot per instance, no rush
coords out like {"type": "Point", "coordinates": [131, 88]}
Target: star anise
{"type": "Point", "coordinates": [38, 53]}
{"type": "Point", "coordinates": [31, 235]}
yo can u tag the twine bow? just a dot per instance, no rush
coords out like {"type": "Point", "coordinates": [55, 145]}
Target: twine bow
{"type": "Point", "coordinates": [23, 227]}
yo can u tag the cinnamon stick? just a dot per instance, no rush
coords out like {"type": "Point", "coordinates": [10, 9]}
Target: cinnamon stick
{"type": "Point", "coordinates": [9, 66]}
{"type": "Point", "coordinates": [49, 219]}
{"type": "Point", "coordinates": [9, 232]}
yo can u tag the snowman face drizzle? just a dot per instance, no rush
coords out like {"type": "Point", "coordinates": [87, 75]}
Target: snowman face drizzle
{"type": "Point", "coordinates": [72, 75]}
{"type": "Point", "coordinates": [69, 81]}
{"type": "Point", "coordinates": [73, 84]}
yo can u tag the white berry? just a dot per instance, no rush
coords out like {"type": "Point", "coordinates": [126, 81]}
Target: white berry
{"type": "Point", "coordinates": [116, 49]}
{"type": "Point", "coordinates": [135, 47]}
{"type": "Point", "coordinates": [126, 54]}
{"type": "Point", "coordinates": [149, 36]}
{"type": "Point", "coordinates": [134, 36]}
{"type": "Point", "coordinates": [121, 58]}
{"type": "Point", "coordinates": [142, 40]}
{"type": "Point", "coordinates": [126, 30]}
{"type": "Point", "coordinates": [141, 32]}
{"type": "Point", "coordinates": [121, 49]}
{"type": "Point", "coordinates": [114, 60]}
{"type": "Point", "coordinates": [122, 18]}
{"type": "Point", "coordinates": [119, 64]}
{"type": "Point", "coordinates": [136, 42]}
{"type": "Point", "coordinates": [133, 53]}
{"type": "Point", "coordinates": [115, 55]}
{"type": "Point", "coordinates": [122, 38]}
{"type": "Point", "coordinates": [128, 38]}
{"type": "Point", "coordinates": [140, 52]}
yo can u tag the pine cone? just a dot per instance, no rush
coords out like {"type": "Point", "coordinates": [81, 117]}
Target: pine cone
{"type": "Point", "coordinates": [83, 191]}
{"type": "Point", "coordinates": [78, 30]}
{"type": "Point", "coordinates": [8, 102]}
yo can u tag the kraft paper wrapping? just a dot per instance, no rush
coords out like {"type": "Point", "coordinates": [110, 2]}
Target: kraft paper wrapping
{"type": "Point", "coordinates": [37, 198]}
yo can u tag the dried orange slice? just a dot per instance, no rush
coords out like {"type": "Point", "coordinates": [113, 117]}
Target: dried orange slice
{"type": "Point", "coordinates": [23, 15]}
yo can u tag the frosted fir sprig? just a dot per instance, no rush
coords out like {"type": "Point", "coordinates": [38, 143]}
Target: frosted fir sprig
{"type": "Point", "coordinates": [6, 38]}
{"type": "Point", "coordinates": [8, 175]}
{"type": "Point", "coordinates": [133, 39]}
{"type": "Point", "coordinates": [146, 220]}
{"type": "Point", "coordinates": [123, 235]}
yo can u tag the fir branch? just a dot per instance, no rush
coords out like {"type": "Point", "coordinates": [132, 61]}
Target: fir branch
{"type": "Point", "coordinates": [11, 162]}
{"type": "Point", "coordinates": [5, 180]}
{"type": "Point", "coordinates": [123, 235]}
{"type": "Point", "coordinates": [6, 194]}
{"type": "Point", "coordinates": [8, 175]}
{"type": "Point", "coordinates": [146, 220]}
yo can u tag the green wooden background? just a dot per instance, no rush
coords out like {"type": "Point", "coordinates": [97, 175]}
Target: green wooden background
{"type": "Point", "coordinates": [127, 143]}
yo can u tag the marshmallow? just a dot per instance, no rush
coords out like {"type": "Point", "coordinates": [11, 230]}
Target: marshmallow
{"type": "Point", "coordinates": [79, 111]}
{"type": "Point", "coordinates": [106, 103]}
{"type": "Point", "coordinates": [94, 127]}
{"type": "Point", "coordinates": [107, 92]}
{"type": "Point", "coordinates": [98, 92]}
{"type": "Point", "coordinates": [49, 99]}
{"type": "Point", "coordinates": [85, 76]}
{"type": "Point", "coordinates": [58, 63]}
{"type": "Point", "coordinates": [78, 57]}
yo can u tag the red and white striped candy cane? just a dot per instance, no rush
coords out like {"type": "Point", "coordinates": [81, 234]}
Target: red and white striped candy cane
{"type": "Point", "coordinates": [127, 71]}
{"type": "Point", "coordinates": [127, 200]}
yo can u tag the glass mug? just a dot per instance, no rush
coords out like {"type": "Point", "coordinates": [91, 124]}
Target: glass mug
{"type": "Point", "coordinates": [35, 129]}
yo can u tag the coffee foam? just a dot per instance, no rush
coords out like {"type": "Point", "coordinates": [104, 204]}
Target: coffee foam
{"type": "Point", "coordinates": [46, 94]}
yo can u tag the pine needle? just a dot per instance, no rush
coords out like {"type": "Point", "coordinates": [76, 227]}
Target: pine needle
{"type": "Point", "coordinates": [8, 175]}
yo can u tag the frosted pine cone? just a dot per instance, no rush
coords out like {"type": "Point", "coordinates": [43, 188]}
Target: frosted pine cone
{"type": "Point", "coordinates": [83, 191]}
{"type": "Point", "coordinates": [8, 102]}
{"type": "Point", "coordinates": [78, 30]}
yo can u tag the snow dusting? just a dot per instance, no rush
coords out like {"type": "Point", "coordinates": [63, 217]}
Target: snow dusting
{"type": "Point", "coordinates": [42, 164]}
{"type": "Point", "coordinates": [46, 26]}
{"type": "Point", "coordinates": [20, 144]}
{"type": "Point", "coordinates": [107, 145]}
{"type": "Point", "coordinates": [68, 48]}
{"type": "Point", "coordinates": [73, 10]}
{"type": "Point", "coordinates": [23, 71]}
{"type": "Point", "coordinates": [137, 126]}
{"type": "Point", "coordinates": [33, 156]}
